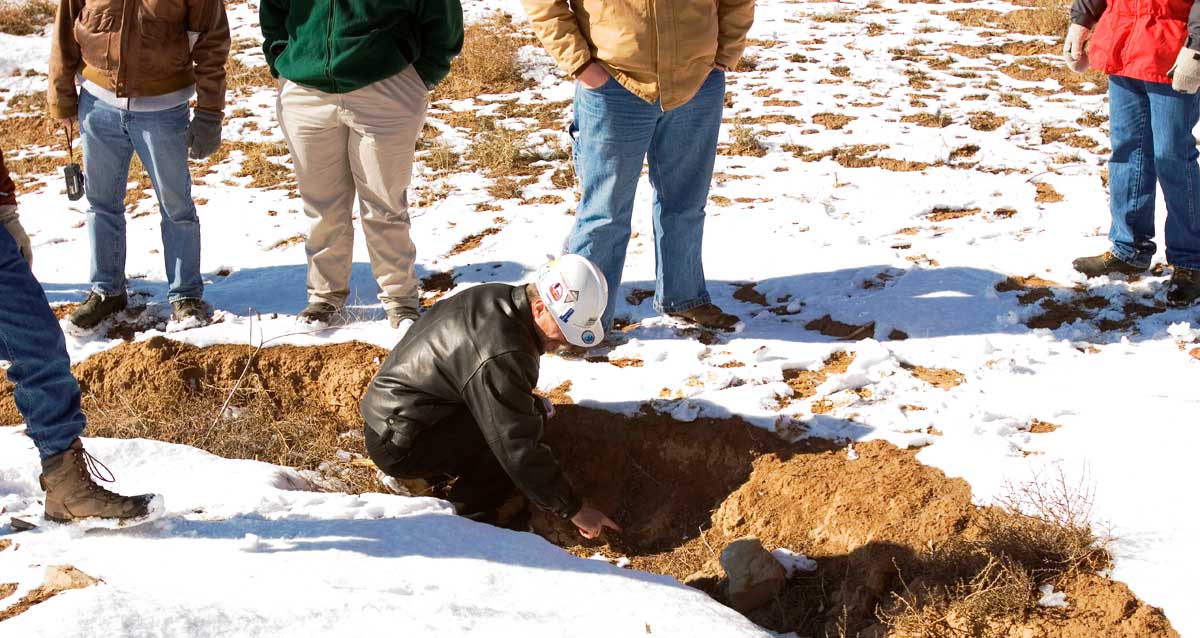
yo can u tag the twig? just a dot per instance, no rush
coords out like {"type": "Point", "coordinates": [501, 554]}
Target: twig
{"type": "Point", "coordinates": [705, 539]}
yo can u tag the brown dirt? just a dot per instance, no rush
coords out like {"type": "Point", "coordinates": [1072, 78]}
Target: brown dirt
{"type": "Point", "coordinates": [435, 286]}
{"type": "Point", "coordinates": [830, 327]}
{"type": "Point", "coordinates": [931, 120]}
{"type": "Point", "coordinates": [1038, 426]}
{"type": "Point", "coordinates": [1046, 194]}
{"type": "Point", "coordinates": [471, 242]}
{"type": "Point", "coordinates": [946, 214]}
{"type": "Point", "coordinates": [748, 294]}
{"type": "Point", "coordinates": [832, 121]}
{"type": "Point", "coordinates": [59, 578]}
{"type": "Point", "coordinates": [7, 589]}
{"type": "Point", "coordinates": [804, 383]}
{"type": "Point", "coordinates": [943, 378]}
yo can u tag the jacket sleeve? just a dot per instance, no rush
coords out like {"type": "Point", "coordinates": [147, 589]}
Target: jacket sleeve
{"type": "Point", "coordinates": [441, 33]}
{"type": "Point", "coordinates": [8, 190]}
{"type": "Point", "coordinates": [1086, 13]}
{"type": "Point", "coordinates": [500, 397]}
{"type": "Point", "coordinates": [207, 18]}
{"type": "Point", "coordinates": [556, 28]}
{"type": "Point", "coordinates": [272, 19]}
{"type": "Point", "coordinates": [66, 61]}
{"type": "Point", "coordinates": [734, 19]}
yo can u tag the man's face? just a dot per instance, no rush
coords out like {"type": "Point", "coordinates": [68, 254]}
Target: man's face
{"type": "Point", "coordinates": [552, 336]}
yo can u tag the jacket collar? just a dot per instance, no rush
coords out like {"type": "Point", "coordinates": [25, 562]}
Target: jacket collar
{"type": "Point", "coordinates": [525, 312]}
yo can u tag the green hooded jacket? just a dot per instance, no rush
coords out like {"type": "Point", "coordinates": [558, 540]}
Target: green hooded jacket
{"type": "Point", "coordinates": [338, 46]}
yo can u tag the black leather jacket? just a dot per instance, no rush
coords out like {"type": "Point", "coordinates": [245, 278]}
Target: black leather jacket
{"type": "Point", "coordinates": [478, 350]}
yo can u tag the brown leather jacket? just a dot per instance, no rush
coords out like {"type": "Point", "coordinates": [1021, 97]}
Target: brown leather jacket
{"type": "Point", "coordinates": [138, 48]}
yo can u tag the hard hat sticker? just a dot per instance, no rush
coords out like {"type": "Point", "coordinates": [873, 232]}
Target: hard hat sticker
{"type": "Point", "coordinates": [566, 315]}
{"type": "Point", "coordinates": [588, 337]}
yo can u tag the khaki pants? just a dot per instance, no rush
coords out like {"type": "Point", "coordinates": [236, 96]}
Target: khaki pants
{"type": "Point", "coordinates": [361, 143]}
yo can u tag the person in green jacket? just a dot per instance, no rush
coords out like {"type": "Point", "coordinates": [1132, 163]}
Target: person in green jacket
{"type": "Point", "coordinates": [355, 83]}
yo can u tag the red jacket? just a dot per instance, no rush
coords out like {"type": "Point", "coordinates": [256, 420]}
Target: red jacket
{"type": "Point", "coordinates": [1140, 39]}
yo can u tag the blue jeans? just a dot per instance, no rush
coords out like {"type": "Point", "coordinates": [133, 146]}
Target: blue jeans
{"type": "Point", "coordinates": [110, 137]}
{"type": "Point", "coordinates": [46, 394]}
{"type": "Point", "coordinates": [1151, 129]}
{"type": "Point", "coordinates": [614, 132]}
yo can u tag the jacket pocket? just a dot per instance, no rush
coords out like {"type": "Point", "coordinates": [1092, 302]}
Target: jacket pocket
{"type": "Point", "coordinates": [94, 32]}
{"type": "Point", "coordinates": [166, 50]}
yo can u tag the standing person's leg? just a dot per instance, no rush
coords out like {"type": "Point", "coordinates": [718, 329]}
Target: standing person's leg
{"type": "Point", "coordinates": [317, 140]}
{"type": "Point", "coordinates": [612, 131]}
{"type": "Point", "coordinates": [385, 120]}
{"type": "Point", "coordinates": [107, 151]}
{"type": "Point", "coordinates": [1173, 116]}
{"type": "Point", "coordinates": [46, 393]}
{"type": "Point", "coordinates": [159, 137]}
{"type": "Point", "coordinates": [1131, 172]}
{"type": "Point", "coordinates": [682, 156]}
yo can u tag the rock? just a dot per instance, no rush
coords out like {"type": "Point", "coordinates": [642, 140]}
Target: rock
{"type": "Point", "coordinates": [755, 577]}
{"type": "Point", "coordinates": [64, 577]}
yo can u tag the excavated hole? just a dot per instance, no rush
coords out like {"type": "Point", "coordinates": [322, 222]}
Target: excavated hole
{"type": "Point", "coordinates": [883, 527]}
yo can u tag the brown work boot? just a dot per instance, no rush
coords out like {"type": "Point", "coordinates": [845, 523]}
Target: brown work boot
{"type": "Point", "coordinates": [708, 315]}
{"type": "Point", "coordinates": [73, 495]}
{"type": "Point", "coordinates": [1106, 264]}
{"type": "Point", "coordinates": [1184, 287]}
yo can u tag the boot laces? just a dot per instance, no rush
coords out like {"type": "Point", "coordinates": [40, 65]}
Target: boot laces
{"type": "Point", "coordinates": [92, 467]}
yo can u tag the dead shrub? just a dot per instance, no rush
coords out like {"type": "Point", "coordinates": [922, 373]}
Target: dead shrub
{"type": "Point", "coordinates": [440, 158]}
{"type": "Point", "coordinates": [263, 171]}
{"type": "Point", "coordinates": [25, 17]}
{"type": "Point", "coordinates": [488, 62]}
{"type": "Point", "coordinates": [985, 581]}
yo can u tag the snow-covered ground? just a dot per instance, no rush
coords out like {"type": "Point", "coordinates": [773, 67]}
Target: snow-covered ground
{"type": "Point", "coordinates": [814, 236]}
{"type": "Point", "coordinates": [245, 550]}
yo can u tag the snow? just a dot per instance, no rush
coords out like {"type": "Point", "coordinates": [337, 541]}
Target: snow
{"type": "Point", "coordinates": [794, 563]}
{"type": "Point", "coordinates": [814, 237]}
{"type": "Point", "coordinates": [1051, 598]}
{"type": "Point", "coordinates": [246, 550]}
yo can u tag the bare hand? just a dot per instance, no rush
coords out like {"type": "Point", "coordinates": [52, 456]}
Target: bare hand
{"type": "Point", "coordinates": [593, 77]}
{"type": "Point", "coordinates": [591, 522]}
{"type": "Point", "coordinates": [67, 123]}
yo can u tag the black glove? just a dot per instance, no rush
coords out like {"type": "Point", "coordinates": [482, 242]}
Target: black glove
{"type": "Point", "coordinates": [204, 134]}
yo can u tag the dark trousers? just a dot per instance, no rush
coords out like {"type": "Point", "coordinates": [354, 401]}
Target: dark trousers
{"type": "Point", "coordinates": [452, 450]}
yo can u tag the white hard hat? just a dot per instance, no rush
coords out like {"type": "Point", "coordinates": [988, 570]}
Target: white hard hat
{"type": "Point", "coordinates": [576, 293]}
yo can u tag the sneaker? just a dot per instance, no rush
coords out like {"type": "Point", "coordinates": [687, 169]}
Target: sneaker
{"type": "Point", "coordinates": [318, 312]}
{"type": "Point", "coordinates": [97, 308]}
{"type": "Point", "coordinates": [1106, 264]}
{"type": "Point", "coordinates": [402, 316]}
{"type": "Point", "coordinates": [193, 309]}
{"type": "Point", "coordinates": [72, 494]}
{"type": "Point", "coordinates": [708, 316]}
{"type": "Point", "coordinates": [1184, 287]}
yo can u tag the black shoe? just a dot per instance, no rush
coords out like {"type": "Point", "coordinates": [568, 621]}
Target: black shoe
{"type": "Point", "coordinates": [190, 309]}
{"type": "Point", "coordinates": [1184, 287]}
{"type": "Point", "coordinates": [318, 312]}
{"type": "Point", "coordinates": [97, 308]}
{"type": "Point", "coordinates": [1106, 264]}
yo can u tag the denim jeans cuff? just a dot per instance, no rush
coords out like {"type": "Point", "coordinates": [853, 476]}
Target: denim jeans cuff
{"type": "Point", "coordinates": [1132, 260]}
{"type": "Point", "coordinates": [683, 306]}
{"type": "Point", "coordinates": [108, 291]}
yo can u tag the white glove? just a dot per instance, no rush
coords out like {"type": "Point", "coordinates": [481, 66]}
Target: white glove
{"type": "Point", "coordinates": [1073, 48]}
{"type": "Point", "coordinates": [8, 218]}
{"type": "Point", "coordinates": [1185, 75]}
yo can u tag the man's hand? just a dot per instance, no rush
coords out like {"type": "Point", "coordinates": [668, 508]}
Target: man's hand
{"type": "Point", "coordinates": [204, 134]}
{"type": "Point", "coordinates": [591, 522]}
{"type": "Point", "coordinates": [593, 76]}
{"type": "Point", "coordinates": [14, 228]}
{"type": "Point", "coordinates": [1073, 48]}
{"type": "Point", "coordinates": [1185, 75]}
{"type": "Point", "coordinates": [549, 413]}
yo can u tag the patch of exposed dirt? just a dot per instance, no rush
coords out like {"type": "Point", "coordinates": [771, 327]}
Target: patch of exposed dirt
{"type": "Point", "coordinates": [832, 121]}
{"type": "Point", "coordinates": [804, 383]}
{"type": "Point", "coordinates": [638, 295]}
{"type": "Point", "coordinates": [435, 286]}
{"type": "Point", "coordinates": [830, 327]}
{"type": "Point", "coordinates": [943, 378]}
{"type": "Point", "coordinates": [471, 242]}
{"type": "Point", "coordinates": [748, 294]}
{"type": "Point", "coordinates": [1046, 194]}
{"type": "Point", "coordinates": [59, 578]}
{"type": "Point", "coordinates": [1038, 426]}
{"type": "Point", "coordinates": [942, 214]}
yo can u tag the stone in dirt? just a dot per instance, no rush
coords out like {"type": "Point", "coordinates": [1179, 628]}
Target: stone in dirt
{"type": "Point", "coordinates": [755, 577]}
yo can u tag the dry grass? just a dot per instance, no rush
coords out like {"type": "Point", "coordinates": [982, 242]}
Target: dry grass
{"type": "Point", "coordinates": [984, 582]}
{"type": "Point", "coordinates": [744, 140]}
{"type": "Point", "coordinates": [832, 121]}
{"type": "Point", "coordinates": [500, 151]}
{"type": "Point", "coordinates": [25, 17]}
{"type": "Point", "coordinates": [263, 171]}
{"type": "Point", "coordinates": [1045, 17]}
{"type": "Point", "coordinates": [242, 79]}
{"type": "Point", "coordinates": [857, 156]}
{"type": "Point", "coordinates": [488, 62]}
{"type": "Point", "coordinates": [986, 121]}
{"type": "Point", "coordinates": [930, 120]}
{"type": "Point", "coordinates": [440, 158]}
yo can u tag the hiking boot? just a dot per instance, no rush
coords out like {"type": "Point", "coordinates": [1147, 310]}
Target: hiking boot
{"type": "Point", "coordinates": [402, 316]}
{"type": "Point", "coordinates": [190, 309]}
{"type": "Point", "coordinates": [1184, 287]}
{"type": "Point", "coordinates": [1106, 264]}
{"type": "Point", "coordinates": [318, 312]}
{"type": "Point", "coordinates": [708, 315]}
{"type": "Point", "coordinates": [72, 494]}
{"type": "Point", "coordinates": [97, 308]}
